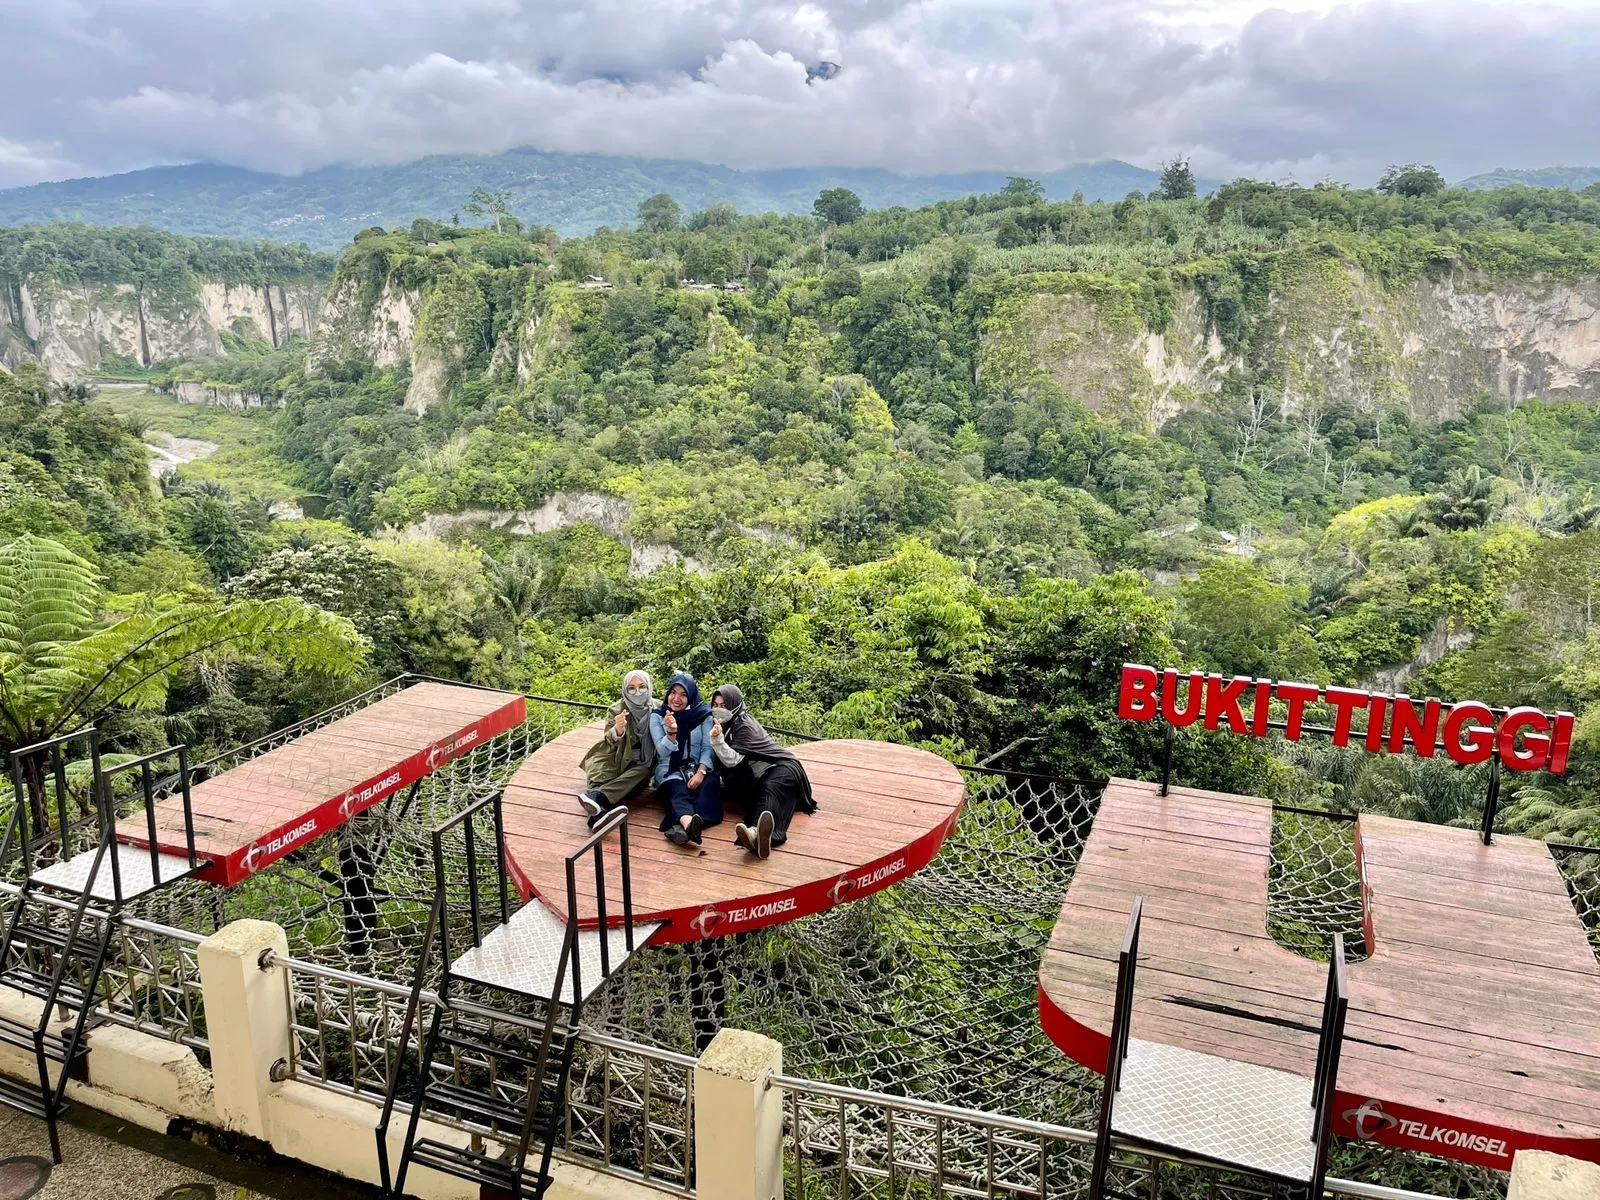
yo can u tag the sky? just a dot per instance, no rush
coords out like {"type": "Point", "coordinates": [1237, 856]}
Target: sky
{"type": "Point", "coordinates": [1299, 89]}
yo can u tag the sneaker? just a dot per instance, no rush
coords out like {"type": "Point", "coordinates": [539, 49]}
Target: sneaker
{"type": "Point", "coordinates": [745, 837]}
{"type": "Point", "coordinates": [677, 835]}
{"type": "Point", "coordinates": [764, 827]}
{"type": "Point", "coordinates": [695, 826]}
{"type": "Point", "coordinates": [594, 804]}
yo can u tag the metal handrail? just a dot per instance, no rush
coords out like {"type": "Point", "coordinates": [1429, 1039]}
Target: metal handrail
{"type": "Point", "coordinates": [1065, 1133]}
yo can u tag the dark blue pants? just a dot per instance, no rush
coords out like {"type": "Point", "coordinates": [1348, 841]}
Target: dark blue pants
{"type": "Point", "coordinates": [680, 801]}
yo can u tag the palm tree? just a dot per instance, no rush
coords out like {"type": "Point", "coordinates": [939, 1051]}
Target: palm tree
{"type": "Point", "coordinates": [1467, 501]}
{"type": "Point", "coordinates": [62, 666]}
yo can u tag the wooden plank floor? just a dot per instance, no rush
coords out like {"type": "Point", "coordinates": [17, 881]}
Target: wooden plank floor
{"type": "Point", "coordinates": [883, 811]}
{"type": "Point", "coordinates": [260, 810]}
{"type": "Point", "coordinates": [1474, 1028]}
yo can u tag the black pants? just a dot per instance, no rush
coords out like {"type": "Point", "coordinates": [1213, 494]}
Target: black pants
{"type": "Point", "coordinates": [776, 792]}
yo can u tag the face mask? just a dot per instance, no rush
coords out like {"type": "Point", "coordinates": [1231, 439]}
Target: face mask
{"type": "Point", "coordinates": [638, 695]}
{"type": "Point", "coordinates": [722, 714]}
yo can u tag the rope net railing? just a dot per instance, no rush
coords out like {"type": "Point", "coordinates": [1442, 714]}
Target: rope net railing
{"type": "Point", "coordinates": [927, 990]}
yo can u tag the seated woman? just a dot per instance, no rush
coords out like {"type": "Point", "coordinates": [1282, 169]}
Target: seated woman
{"type": "Point", "coordinates": [684, 779]}
{"type": "Point", "coordinates": [620, 763]}
{"type": "Point", "coordinates": [767, 780]}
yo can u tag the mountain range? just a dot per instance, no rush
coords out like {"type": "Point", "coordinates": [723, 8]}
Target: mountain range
{"type": "Point", "coordinates": [1576, 178]}
{"type": "Point", "coordinates": [575, 193]}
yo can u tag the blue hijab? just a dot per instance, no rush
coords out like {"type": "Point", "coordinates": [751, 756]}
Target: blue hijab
{"type": "Point", "coordinates": [696, 711]}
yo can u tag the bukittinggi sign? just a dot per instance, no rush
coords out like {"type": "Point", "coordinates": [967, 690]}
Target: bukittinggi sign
{"type": "Point", "coordinates": [1526, 739]}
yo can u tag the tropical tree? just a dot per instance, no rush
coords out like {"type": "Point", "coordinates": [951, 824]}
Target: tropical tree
{"type": "Point", "coordinates": [63, 666]}
{"type": "Point", "coordinates": [837, 206]}
{"type": "Point", "coordinates": [1467, 501]}
{"type": "Point", "coordinates": [1413, 179]}
{"type": "Point", "coordinates": [1177, 181]}
{"type": "Point", "coordinates": [659, 213]}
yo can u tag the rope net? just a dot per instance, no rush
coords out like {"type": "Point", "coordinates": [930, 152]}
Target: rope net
{"type": "Point", "coordinates": [927, 990]}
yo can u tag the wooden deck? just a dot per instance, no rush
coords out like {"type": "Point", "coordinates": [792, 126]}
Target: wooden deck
{"type": "Point", "coordinates": [262, 809]}
{"type": "Point", "coordinates": [883, 811]}
{"type": "Point", "coordinates": [1474, 1027]}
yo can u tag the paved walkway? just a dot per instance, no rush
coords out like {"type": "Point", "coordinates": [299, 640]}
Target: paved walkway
{"type": "Point", "coordinates": [111, 1159]}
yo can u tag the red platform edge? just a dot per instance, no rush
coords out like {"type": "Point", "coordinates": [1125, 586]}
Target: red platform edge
{"type": "Point", "coordinates": [698, 922]}
{"type": "Point", "coordinates": [238, 865]}
{"type": "Point", "coordinates": [1357, 1117]}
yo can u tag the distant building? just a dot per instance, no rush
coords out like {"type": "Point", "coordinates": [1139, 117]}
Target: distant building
{"type": "Point", "coordinates": [593, 284]}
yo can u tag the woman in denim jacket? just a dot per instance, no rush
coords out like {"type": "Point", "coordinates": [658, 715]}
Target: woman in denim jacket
{"type": "Point", "coordinates": [684, 779]}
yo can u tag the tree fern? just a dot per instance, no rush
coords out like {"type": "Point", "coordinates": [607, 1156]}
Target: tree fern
{"type": "Point", "coordinates": [57, 671]}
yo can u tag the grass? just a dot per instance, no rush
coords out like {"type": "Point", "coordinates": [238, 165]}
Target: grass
{"type": "Point", "coordinates": [246, 460]}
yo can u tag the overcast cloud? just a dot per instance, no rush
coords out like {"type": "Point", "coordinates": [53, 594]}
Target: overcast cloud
{"type": "Point", "coordinates": [1301, 88]}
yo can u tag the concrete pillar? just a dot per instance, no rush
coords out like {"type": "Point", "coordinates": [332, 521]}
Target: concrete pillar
{"type": "Point", "coordinates": [247, 1020]}
{"type": "Point", "coordinates": [738, 1120]}
{"type": "Point", "coordinates": [1540, 1175]}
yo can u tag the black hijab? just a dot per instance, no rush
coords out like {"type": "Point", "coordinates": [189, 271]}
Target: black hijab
{"type": "Point", "coordinates": [695, 712]}
{"type": "Point", "coordinates": [744, 733]}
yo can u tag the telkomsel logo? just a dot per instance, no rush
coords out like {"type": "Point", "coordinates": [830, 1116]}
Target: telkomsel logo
{"type": "Point", "coordinates": [841, 888]}
{"type": "Point", "coordinates": [356, 797]}
{"type": "Point", "coordinates": [1370, 1120]}
{"type": "Point", "coordinates": [707, 920]}
{"type": "Point", "coordinates": [259, 852]}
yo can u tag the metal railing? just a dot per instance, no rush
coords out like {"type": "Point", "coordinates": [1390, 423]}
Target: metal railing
{"type": "Point", "coordinates": [843, 1144]}
{"type": "Point", "coordinates": [630, 1108]}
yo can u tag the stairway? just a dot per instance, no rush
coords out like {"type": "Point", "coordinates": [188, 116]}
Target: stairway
{"type": "Point", "coordinates": [498, 1069]}
{"type": "Point", "coordinates": [62, 919]}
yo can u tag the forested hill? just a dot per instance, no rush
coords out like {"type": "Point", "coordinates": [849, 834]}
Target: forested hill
{"type": "Point", "coordinates": [928, 475]}
{"type": "Point", "coordinates": [572, 193]}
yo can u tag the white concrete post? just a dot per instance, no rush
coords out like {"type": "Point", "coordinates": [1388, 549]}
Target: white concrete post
{"type": "Point", "coordinates": [247, 1020]}
{"type": "Point", "coordinates": [738, 1120]}
{"type": "Point", "coordinates": [1540, 1175]}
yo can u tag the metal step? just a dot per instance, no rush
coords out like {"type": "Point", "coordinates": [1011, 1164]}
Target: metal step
{"type": "Point", "coordinates": [477, 1041]}
{"type": "Point", "coordinates": [15, 1033]}
{"type": "Point", "coordinates": [468, 1164]}
{"type": "Point", "coordinates": [42, 935]}
{"type": "Point", "coordinates": [138, 877]}
{"type": "Point", "coordinates": [37, 985]}
{"type": "Point", "coordinates": [24, 1098]}
{"type": "Point", "coordinates": [482, 1108]}
{"type": "Point", "coordinates": [522, 955]}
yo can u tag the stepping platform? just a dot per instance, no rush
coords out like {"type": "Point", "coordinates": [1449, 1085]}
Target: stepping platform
{"type": "Point", "coordinates": [1235, 1112]}
{"type": "Point", "coordinates": [1473, 1028]}
{"type": "Point", "coordinates": [522, 955]}
{"type": "Point", "coordinates": [133, 871]}
{"type": "Point", "coordinates": [883, 812]}
{"type": "Point", "coordinates": [262, 809]}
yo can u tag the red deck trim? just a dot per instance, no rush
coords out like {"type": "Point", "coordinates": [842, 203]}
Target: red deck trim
{"type": "Point", "coordinates": [696, 922]}
{"type": "Point", "coordinates": [239, 863]}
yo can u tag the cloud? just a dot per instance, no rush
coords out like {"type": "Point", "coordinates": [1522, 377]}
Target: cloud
{"type": "Point", "coordinates": [1302, 88]}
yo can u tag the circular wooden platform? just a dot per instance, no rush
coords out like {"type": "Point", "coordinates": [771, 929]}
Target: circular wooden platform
{"type": "Point", "coordinates": [883, 812]}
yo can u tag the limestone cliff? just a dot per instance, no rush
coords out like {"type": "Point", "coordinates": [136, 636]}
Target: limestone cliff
{"type": "Point", "coordinates": [1328, 332]}
{"type": "Point", "coordinates": [73, 329]}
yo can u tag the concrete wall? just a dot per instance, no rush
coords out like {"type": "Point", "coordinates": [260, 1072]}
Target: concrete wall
{"type": "Point", "coordinates": [151, 1082]}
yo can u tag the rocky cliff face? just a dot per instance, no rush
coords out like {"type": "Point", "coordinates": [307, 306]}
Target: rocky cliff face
{"type": "Point", "coordinates": [72, 329]}
{"type": "Point", "coordinates": [1329, 333]}
{"type": "Point", "coordinates": [379, 332]}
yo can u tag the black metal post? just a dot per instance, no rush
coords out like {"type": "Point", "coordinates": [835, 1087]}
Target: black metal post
{"type": "Point", "coordinates": [1491, 803]}
{"type": "Point", "coordinates": [708, 993]}
{"type": "Point", "coordinates": [356, 867]}
{"type": "Point", "coordinates": [1166, 759]}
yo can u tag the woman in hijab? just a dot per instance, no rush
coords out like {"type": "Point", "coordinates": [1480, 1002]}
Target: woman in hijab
{"type": "Point", "coordinates": [768, 780]}
{"type": "Point", "coordinates": [620, 763]}
{"type": "Point", "coordinates": [685, 781]}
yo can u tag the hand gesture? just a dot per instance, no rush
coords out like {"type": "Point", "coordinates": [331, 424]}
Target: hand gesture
{"type": "Point", "coordinates": [716, 731]}
{"type": "Point", "coordinates": [621, 723]}
{"type": "Point", "coordinates": [670, 724]}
